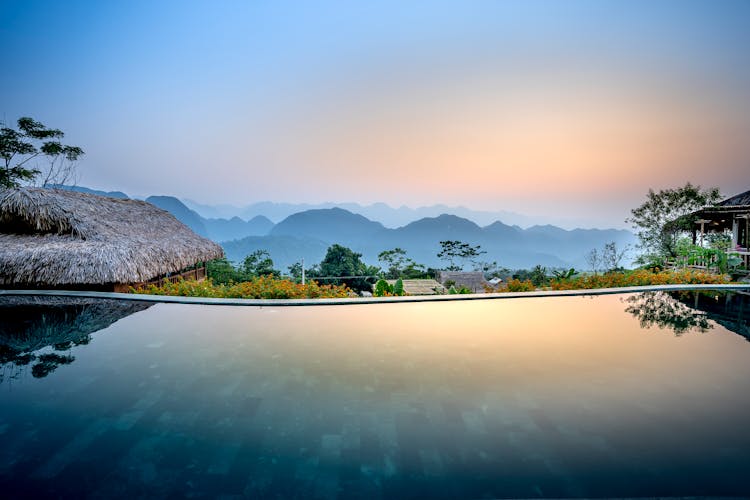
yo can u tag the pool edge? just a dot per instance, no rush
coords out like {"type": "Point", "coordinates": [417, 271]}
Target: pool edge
{"type": "Point", "coordinates": [370, 300]}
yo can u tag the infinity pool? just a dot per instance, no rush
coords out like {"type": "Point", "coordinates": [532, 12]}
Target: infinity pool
{"type": "Point", "coordinates": [619, 395]}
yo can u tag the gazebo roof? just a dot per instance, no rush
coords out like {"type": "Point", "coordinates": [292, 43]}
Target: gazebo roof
{"type": "Point", "coordinates": [725, 210]}
{"type": "Point", "coordinates": [739, 200]}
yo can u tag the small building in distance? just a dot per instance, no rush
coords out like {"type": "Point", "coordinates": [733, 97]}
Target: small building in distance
{"type": "Point", "coordinates": [60, 239]}
{"type": "Point", "coordinates": [473, 280]}
{"type": "Point", "coordinates": [420, 287]}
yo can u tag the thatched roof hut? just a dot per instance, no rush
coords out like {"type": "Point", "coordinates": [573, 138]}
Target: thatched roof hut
{"type": "Point", "coordinates": [57, 238]}
{"type": "Point", "coordinates": [473, 280]}
{"type": "Point", "coordinates": [419, 286]}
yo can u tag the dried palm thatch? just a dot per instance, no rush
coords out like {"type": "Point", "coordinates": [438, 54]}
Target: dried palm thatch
{"type": "Point", "coordinates": [55, 237]}
{"type": "Point", "coordinates": [419, 286]}
{"type": "Point", "coordinates": [473, 280]}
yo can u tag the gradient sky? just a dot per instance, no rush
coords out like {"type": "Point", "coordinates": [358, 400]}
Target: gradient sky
{"type": "Point", "coordinates": [572, 108]}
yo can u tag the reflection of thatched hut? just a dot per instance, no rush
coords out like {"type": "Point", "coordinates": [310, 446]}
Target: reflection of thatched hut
{"type": "Point", "coordinates": [32, 323]}
{"type": "Point", "coordinates": [66, 239]}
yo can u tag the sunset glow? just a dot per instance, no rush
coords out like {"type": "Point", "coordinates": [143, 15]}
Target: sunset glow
{"type": "Point", "coordinates": [573, 108]}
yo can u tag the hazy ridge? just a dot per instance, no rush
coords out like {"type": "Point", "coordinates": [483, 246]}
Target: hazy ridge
{"type": "Point", "coordinates": [307, 234]}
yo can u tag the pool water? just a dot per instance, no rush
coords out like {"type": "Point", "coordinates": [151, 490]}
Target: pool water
{"type": "Point", "coordinates": [619, 395]}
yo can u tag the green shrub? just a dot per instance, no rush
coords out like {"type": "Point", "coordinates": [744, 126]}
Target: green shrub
{"type": "Point", "coordinates": [383, 289]}
{"type": "Point", "coordinates": [398, 288]}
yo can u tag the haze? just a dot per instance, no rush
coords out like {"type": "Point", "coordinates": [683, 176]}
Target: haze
{"type": "Point", "coordinates": [572, 109]}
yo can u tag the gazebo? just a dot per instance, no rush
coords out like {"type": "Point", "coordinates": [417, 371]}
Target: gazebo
{"type": "Point", "coordinates": [732, 214]}
{"type": "Point", "coordinates": [53, 238]}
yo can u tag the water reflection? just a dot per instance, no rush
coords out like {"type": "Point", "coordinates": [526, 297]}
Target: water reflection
{"type": "Point", "coordinates": [697, 311]}
{"type": "Point", "coordinates": [541, 397]}
{"type": "Point", "coordinates": [39, 332]}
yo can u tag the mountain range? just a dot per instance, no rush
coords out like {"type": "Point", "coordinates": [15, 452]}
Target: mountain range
{"type": "Point", "coordinates": [308, 233]}
{"type": "Point", "coordinates": [392, 217]}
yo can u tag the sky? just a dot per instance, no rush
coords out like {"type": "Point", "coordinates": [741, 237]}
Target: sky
{"type": "Point", "coordinates": [571, 108]}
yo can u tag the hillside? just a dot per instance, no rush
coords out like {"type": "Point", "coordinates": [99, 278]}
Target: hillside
{"type": "Point", "coordinates": [182, 213]}
{"type": "Point", "coordinates": [510, 246]}
{"type": "Point", "coordinates": [329, 224]}
{"type": "Point", "coordinates": [308, 233]}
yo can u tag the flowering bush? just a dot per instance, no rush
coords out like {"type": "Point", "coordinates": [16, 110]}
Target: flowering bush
{"type": "Point", "coordinates": [264, 287]}
{"type": "Point", "coordinates": [640, 277]}
{"type": "Point", "coordinates": [516, 285]}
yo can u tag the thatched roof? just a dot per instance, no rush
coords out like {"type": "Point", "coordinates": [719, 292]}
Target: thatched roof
{"type": "Point", "coordinates": [55, 237]}
{"type": "Point", "coordinates": [473, 280]}
{"type": "Point", "coordinates": [420, 286]}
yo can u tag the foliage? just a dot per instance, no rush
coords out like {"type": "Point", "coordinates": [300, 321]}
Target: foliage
{"type": "Point", "coordinates": [653, 263]}
{"type": "Point", "coordinates": [719, 241]}
{"type": "Point", "coordinates": [665, 215]}
{"type": "Point", "coordinates": [256, 264]}
{"type": "Point", "coordinates": [516, 285]}
{"type": "Point", "coordinates": [259, 263]}
{"type": "Point", "coordinates": [398, 265]}
{"type": "Point", "coordinates": [383, 289]}
{"type": "Point", "coordinates": [563, 274]}
{"type": "Point", "coordinates": [606, 259]}
{"type": "Point", "coordinates": [458, 291]}
{"type": "Point", "coordinates": [539, 276]}
{"type": "Point", "coordinates": [34, 140]}
{"type": "Point", "coordinates": [639, 277]}
{"type": "Point", "coordinates": [454, 250]}
{"type": "Point", "coordinates": [398, 288]}
{"type": "Point", "coordinates": [662, 310]}
{"type": "Point", "coordinates": [710, 258]}
{"type": "Point", "coordinates": [341, 261]}
{"type": "Point", "coordinates": [263, 287]}
{"type": "Point", "coordinates": [612, 258]}
{"type": "Point", "coordinates": [222, 271]}
{"type": "Point", "coordinates": [295, 271]}
{"type": "Point", "coordinates": [491, 269]}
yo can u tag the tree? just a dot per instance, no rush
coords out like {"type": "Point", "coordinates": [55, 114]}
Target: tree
{"type": "Point", "coordinates": [259, 263]}
{"type": "Point", "coordinates": [222, 271]}
{"type": "Point", "coordinates": [31, 141]}
{"type": "Point", "coordinates": [594, 260]}
{"type": "Point", "coordinates": [611, 257]}
{"type": "Point", "coordinates": [538, 276]}
{"type": "Point", "coordinates": [452, 250]}
{"type": "Point", "coordinates": [398, 265]}
{"type": "Point", "coordinates": [341, 261]}
{"type": "Point", "coordinates": [394, 261]}
{"type": "Point", "coordinates": [665, 215]}
{"type": "Point", "coordinates": [491, 269]}
{"type": "Point", "coordinates": [295, 271]}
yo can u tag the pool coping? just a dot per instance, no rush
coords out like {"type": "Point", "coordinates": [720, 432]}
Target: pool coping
{"type": "Point", "coordinates": [371, 300]}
